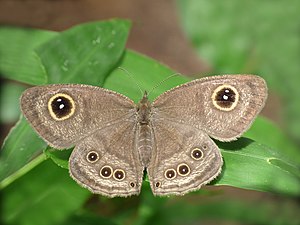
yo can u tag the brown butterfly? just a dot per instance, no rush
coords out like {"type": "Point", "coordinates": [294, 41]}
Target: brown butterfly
{"type": "Point", "coordinates": [116, 140]}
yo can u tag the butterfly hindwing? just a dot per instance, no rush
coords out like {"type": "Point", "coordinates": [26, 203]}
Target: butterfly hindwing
{"type": "Point", "coordinates": [184, 159]}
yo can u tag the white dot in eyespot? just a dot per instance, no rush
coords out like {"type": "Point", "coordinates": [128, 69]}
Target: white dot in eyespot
{"type": "Point", "coordinates": [61, 106]}
{"type": "Point", "coordinates": [225, 97]}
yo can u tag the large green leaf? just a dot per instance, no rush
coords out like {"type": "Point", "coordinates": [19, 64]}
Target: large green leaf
{"type": "Point", "coordinates": [251, 165]}
{"type": "Point", "coordinates": [85, 53]}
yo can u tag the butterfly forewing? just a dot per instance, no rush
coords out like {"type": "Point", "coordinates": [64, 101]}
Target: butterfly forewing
{"type": "Point", "coordinates": [222, 106]}
{"type": "Point", "coordinates": [63, 115]}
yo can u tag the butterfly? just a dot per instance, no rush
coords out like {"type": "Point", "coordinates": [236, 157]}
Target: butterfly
{"type": "Point", "coordinates": [117, 140]}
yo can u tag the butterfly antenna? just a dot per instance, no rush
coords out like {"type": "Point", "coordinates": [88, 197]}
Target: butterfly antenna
{"type": "Point", "coordinates": [164, 80]}
{"type": "Point", "coordinates": [131, 76]}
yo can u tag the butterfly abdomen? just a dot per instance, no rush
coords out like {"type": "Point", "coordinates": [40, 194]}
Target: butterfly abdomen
{"type": "Point", "coordinates": [145, 144]}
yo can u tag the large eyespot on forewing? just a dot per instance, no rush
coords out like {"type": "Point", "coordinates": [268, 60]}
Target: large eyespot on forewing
{"type": "Point", "coordinates": [225, 97]}
{"type": "Point", "coordinates": [61, 106]}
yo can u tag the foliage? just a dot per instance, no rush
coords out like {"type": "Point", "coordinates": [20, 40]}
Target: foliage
{"type": "Point", "coordinates": [37, 191]}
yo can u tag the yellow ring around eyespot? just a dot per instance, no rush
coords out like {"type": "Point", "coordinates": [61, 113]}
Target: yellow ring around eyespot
{"type": "Point", "coordinates": [119, 170]}
{"type": "Point", "coordinates": [51, 111]}
{"type": "Point", "coordinates": [197, 149]}
{"type": "Point", "coordinates": [183, 164]}
{"type": "Point", "coordinates": [168, 178]}
{"type": "Point", "coordinates": [111, 170]}
{"type": "Point", "coordinates": [234, 104]}
{"type": "Point", "coordinates": [87, 156]}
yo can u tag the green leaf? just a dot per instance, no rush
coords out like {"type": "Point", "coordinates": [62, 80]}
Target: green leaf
{"type": "Point", "coordinates": [251, 165]}
{"type": "Point", "coordinates": [61, 158]}
{"type": "Point", "coordinates": [20, 146]}
{"type": "Point", "coordinates": [18, 60]}
{"type": "Point", "coordinates": [85, 53]}
{"type": "Point", "coordinates": [265, 132]}
{"type": "Point", "coordinates": [45, 196]}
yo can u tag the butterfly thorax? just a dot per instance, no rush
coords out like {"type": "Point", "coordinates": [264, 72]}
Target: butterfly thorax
{"type": "Point", "coordinates": [144, 130]}
{"type": "Point", "coordinates": [143, 110]}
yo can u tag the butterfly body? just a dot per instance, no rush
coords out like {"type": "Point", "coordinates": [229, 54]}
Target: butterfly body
{"type": "Point", "coordinates": [116, 140]}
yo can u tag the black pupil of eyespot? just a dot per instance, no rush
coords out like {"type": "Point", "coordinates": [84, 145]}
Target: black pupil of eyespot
{"type": "Point", "coordinates": [225, 97]}
{"type": "Point", "coordinates": [183, 169]}
{"type": "Point", "coordinates": [170, 174]}
{"type": "Point", "coordinates": [157, 184]}
{"type": "Point", "coordinates": [132, 184]}
{"type": "Point", "coordinates": [61, 106]}
{"type": "Point", "coordinates": [92, 156]}
{"type": "Point", "coordinates": [119, 175]}
{"type": "Point", "coordinates": [197, 154]}
{"type": "Point", "coordinates": [106, 172]}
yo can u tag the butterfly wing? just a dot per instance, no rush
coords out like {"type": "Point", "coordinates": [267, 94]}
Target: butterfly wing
{"type": "Point", "coordinates": [63, 115]}
{"type": "Point", "coordinates": [100, 123]}
{"type": "Point", "coordinates": [183, 160]}
{"type": "Point", "coordinates": [107, 162]}
{"type": "Point", "coordinates": [184, 157]}
{"type": "Point", "coordinates": [222, 106]}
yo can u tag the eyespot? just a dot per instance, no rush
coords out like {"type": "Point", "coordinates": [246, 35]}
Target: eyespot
{"type": "Point", "coordinates": [157, 184]}
{"type": "Point", "coordinates": [132, 184]}
{"type": "Point", "coordinates": [119, 174]}
{"type": "Point", "coordinates": [92, 157]}
{"type": "Point", "coordinates": [225, 97]}
{"type": "Point", "coordinates": [204, 146]}
{"type": "Point", "coordinates": [106, 172]}
{"type": "Point", "coordinates": [197, 154]}
{"type": "Point", "coordinates": [170, 174]}
{"type": "Point", "coordinates": [61, 106]}
{"type": "Point", "coordinates": [183, 169]}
